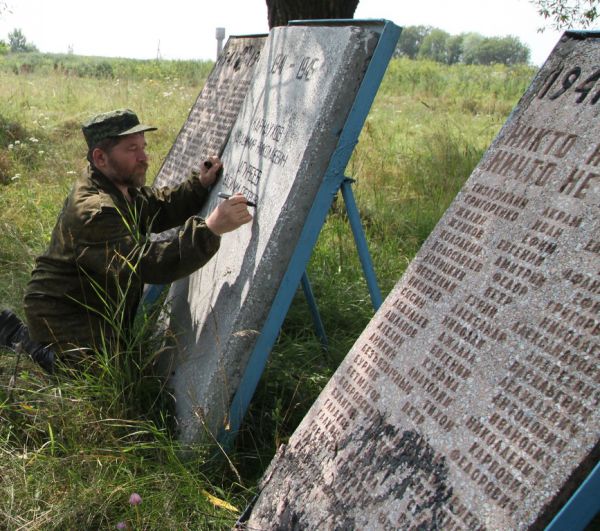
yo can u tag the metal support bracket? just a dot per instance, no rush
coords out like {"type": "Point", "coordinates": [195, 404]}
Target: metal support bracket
{"type": "Point", "coordinates": [363, 254]}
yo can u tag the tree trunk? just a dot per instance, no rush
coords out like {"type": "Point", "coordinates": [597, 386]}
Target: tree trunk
{"type": "Point", "coordinates": [282, 11]}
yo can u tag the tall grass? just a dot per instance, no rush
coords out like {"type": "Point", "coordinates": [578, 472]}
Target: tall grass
{"type": "Point", "coordinates": [74, 449]}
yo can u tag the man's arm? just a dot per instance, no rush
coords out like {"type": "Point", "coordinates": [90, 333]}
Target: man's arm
{"type": "Point", "coordinates": [107, 245]}
{"type": "Point", "coordinates": [170, 207]}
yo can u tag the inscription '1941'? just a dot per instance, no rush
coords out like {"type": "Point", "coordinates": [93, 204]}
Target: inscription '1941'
{"type": "Point", "coordinates": [552, 91]}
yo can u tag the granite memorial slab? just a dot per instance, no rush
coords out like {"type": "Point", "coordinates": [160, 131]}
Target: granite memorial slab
{"type": "Point", "coordinates": [471, 399]}
{"type": "Point", "coordinates": [278, 151]}
{"type": "Point", "coordinates": [211, 118]}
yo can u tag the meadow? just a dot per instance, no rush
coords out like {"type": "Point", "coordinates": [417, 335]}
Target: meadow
{"type": "Point", "coordinates": [73, 450]}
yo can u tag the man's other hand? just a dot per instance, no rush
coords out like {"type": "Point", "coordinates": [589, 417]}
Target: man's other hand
{"type": "Point", "coordinates": [229, 215]}
{"type": "Point", "coordinates": [210, 170]}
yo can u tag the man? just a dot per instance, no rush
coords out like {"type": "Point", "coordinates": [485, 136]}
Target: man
{"type": "Point", "coordinates": [85, 289]}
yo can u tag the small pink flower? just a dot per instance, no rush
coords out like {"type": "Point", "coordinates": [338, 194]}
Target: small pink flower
{"type": "Point", "coordinates": [135, 499]}
{"type": "Point", "coordinates": [121, 525]}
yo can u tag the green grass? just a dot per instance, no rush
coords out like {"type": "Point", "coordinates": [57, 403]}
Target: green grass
{"type": "Point", "coordinates": [73, 450]}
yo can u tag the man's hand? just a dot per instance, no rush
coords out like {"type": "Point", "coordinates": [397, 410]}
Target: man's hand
{"type": "Point", "coordinates": [229, 215]}
{"type": "Point", "coordinates": [209, 171]}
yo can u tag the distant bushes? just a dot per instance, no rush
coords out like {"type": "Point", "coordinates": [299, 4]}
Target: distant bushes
{"type": "Point", "coordinates": [426, 42]}
{"type": "Point", "coordinates": [189, 71]}
{"type": "Point", "coordinates": [99, 70]}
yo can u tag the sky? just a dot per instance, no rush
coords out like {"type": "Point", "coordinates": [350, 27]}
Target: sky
{"type": "Point", "coordinates": [185, 29]}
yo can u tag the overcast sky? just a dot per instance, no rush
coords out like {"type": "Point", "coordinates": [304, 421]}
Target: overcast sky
{"type": "Point", "coordinates": [185, 29]}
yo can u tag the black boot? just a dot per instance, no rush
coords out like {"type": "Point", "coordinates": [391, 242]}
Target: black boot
{"type": "Point", "coordinates": [13, 332]}
{"type": "Point", "coordinates": [10, 328]}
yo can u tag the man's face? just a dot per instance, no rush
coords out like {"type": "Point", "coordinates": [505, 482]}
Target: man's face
{"type": "Point", "coordinates": [126, 163]}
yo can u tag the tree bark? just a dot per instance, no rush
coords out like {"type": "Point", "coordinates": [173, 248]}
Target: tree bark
{"type": "Point", "coordinates": [282, 11]}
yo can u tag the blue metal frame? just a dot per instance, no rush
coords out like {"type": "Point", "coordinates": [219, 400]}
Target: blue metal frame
{"type": "Point", "coordinates": [361, 243]}
{"type": "Point", "coordinates": [365, 260]}
{"type": "Point", "coordinates": [332, 182]}
{"type": "Point", "coordinates": [582, 507]}
{"type": "Point", "coordinates": [151, 294]}
{"type": "Point", "coordinates": [314, 310]}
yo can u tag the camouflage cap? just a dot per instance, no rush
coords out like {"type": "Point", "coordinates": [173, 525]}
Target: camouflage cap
{"type": "Point", "coordinates": [110, 124]}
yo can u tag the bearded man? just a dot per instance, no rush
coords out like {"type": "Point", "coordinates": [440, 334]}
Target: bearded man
{"type": "Point", "coordinates": [85, 289]}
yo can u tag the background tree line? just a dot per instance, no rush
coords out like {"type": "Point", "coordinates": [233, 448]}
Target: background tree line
{"type": "Point", "coordinates": [426, 42]}
{"type": "Point", "coordinates": [416, 42]}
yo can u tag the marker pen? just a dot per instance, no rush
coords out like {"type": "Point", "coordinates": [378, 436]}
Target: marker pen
{"type": "Point", "coordinates": [224, 195]}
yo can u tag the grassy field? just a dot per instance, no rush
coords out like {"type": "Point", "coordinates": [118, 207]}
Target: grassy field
{"type": "Point", "coordinates": [73, 451]}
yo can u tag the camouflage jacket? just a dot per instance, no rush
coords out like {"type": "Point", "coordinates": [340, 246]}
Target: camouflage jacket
{"type": "Point", "coordinates": [100, 256]}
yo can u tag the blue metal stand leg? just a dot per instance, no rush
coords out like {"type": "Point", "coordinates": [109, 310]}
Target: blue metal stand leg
{"type": "Point", "coordinates": [582, 506]}
{"type": "Point", "coordinates": [361, 243]}
{"type": "Point", "coordinates": [314, 310]}
{"type": "Point", "coordinates": [151, 294]}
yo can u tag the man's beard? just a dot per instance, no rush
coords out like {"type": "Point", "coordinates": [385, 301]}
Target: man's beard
{"type": "Point", "coordinates": [131, 179]}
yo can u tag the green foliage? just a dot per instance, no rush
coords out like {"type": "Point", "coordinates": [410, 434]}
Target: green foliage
{"type": "Point", "coordinates": [434, 46]}
{"type": "Point", "coordinates": [454, 49]}
{"type": "Point", "coordinates": [566, 14]}
{"type": "Point", "coordinates": [471, 43]}
{"type": "Point", "coordinates": [18, 42]}
{"type": "Point", "coordinates": [74, 449]}
{"type": "Point", "coordinates": [424, 42]}
{"type": "Point", "coordinates": [101, 69]}
{"type": "Point", "coordinates": [495, 50]}
{"type": "Point", "coordinates": [410, 41]}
